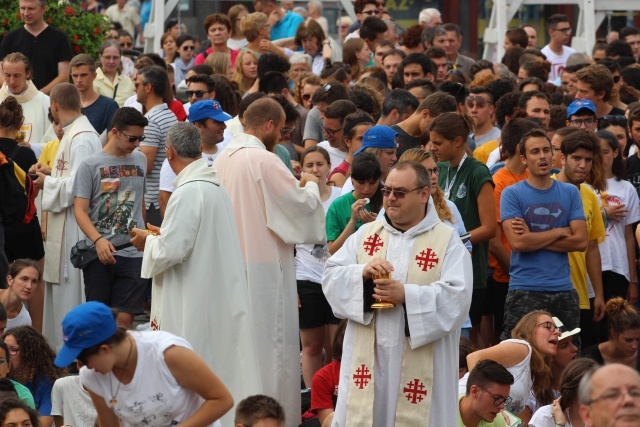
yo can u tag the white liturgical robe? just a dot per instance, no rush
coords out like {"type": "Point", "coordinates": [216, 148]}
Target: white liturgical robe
{"type": "Point", "coordinates": [273, 214]}
{"type": "Point", "coordinates": [434, 314]}
{"type": "Point", "coordinates": [199, 287]}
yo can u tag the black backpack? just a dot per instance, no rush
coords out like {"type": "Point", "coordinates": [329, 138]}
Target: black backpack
{"type": "Point", "coordinates": [17, 192]}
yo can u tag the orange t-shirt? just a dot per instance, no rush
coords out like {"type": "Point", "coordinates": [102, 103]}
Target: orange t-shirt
{"type": "Point", "coordinates": [502, 179]}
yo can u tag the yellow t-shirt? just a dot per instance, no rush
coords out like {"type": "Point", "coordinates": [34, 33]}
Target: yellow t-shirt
{"type": "Point", "coordinates": [49, 151]}
{"type": "Point", "coordinates": [595, 231]}
{"type": "Point", "coordinates": [482, 153]}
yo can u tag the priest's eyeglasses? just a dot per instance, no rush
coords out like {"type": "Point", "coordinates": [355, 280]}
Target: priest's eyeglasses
{"type": "Point", "coordinates": [549, 326]}
{"type": "Point", "coordinates": [133, 138]}
{"type": "Point", "coordinates": [498, 400]}
{"type": "Point", "coordinates": [399, 194]}
{"type": "Point", "coordinates": [616, 395]}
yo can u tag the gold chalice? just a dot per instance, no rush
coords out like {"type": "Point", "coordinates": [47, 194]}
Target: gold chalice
{"type": "Point", "coordinates": [382, 303]}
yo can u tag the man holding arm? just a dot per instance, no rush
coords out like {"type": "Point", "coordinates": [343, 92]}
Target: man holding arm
{"type": "Point", "coordinates": [542, 220]}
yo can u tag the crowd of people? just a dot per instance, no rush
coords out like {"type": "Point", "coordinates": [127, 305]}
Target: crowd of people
{"type": "Point", "coordinates": [356, 214]}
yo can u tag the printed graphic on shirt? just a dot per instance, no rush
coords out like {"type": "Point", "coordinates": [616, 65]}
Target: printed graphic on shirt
{"type": "Point", "coordinates": [544, 216]}
{"type": "Point", "coordinates": [115, 215]}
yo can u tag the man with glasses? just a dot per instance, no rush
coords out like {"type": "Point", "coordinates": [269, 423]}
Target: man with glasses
{"type": "Point", "coordinates": [363, 9]}
{"type": "Point", "coordinates": [210, 120]}
{"type": "Point", "coordinates": [542, 220]}
{"type": "Point", "coordinates": [595, 83]}
{"type": "Point", "coordinates": [488, 388]}
{"type": "Point", "coordinates": [407, 356]}
{"type": "Point", "coordinates": [150, 85]}
{"type": "Point", "coordinates": [610, 396]}
{"type": "Point", "coordinates": [581, 114]}
{"type": "Point", "coordinates": [557, 51]}
{"type": "Point", "coordinates": [108, 203]}
{"type": "Point", "coordinates": [98, 108]}
{"type": "Point", "coordinates": [200, 87]}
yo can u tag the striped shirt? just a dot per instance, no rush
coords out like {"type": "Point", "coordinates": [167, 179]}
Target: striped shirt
{"type": "Point", "coordinates": [161, 119]}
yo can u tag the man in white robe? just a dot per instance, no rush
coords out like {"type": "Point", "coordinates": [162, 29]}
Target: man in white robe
{"type": "Point", "coordinates": [273, 212]}
{"type": "Point", "coordinates": [199, 287]}
{"type": "Point", "coordinates": [430, 313]}
{"type": "Point", "coordinates": [64, 287]}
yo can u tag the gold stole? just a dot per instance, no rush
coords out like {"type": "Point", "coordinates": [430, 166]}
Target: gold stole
{"type": "Point", "coordinates": [56, 221]}
{"type": "Point", "coordinates": [416, 385]}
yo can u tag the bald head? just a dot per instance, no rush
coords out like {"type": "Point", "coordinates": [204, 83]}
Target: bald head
{"type": "Point", "coordinates": [67, 97]}
{"type": "Point", "coordinates": [262, 111]}
{"type": "Point", "coordinates": [610, 397]}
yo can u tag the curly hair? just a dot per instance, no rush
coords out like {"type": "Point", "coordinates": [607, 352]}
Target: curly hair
{"type": "Point", "coordinates": [540, 365]}
{"type": "Point", "coordinates": [36, 356]}
{"type": "Point", "coordinates": [303, 79]}
{"type": "Point", "coordinates": [419, 155]}
{"type": "Point", "coordinates": [11, 404]}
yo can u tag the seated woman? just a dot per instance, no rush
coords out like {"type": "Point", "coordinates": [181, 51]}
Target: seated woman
{"type": "Point", "coordinates": [32, 366]}
{"type": "Point", "coordinates": [23, 278]}
{"type": "Point", "coordinates": [5, 366]}
{"type": "Point", "coordinates": [624, 332]}
{"type": "Point", "coordinates": [527, 355]}
{"type": "Point", "coordinates": [348, 212]}
{"type": "Point", "coordinates": [16, 413]}
{"type": "Point", "coordinates": [157, 375]}
{"type": "Point", "coordinates": [565, 410]}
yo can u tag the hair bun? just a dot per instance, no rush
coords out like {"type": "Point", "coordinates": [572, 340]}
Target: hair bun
{"type": "Point", "coordinates": [615, 305]}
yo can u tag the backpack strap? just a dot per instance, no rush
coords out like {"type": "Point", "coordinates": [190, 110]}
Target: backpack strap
{"type": "Point", "coordinates": [15, 151]}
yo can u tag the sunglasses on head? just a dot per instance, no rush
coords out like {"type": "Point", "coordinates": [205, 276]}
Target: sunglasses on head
{"type": "Point", "coordinates": [479, 100]}
{"type": "Point", "coordinates": [197, 93]}
{"type": "Point", "coordinates": [615, 120]}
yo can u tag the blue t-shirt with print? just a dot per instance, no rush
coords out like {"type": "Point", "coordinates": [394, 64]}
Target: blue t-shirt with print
{"type": "Point", "coordinates": [542, 210]}
{"type": "Point", "coordinates": [287, 26]}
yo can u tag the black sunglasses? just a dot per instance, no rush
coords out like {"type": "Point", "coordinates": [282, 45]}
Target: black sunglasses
{"type": "Point", "coordinates": [197, 93]}
{"type": "Point", "coordinates": [133, 138]}
{"type": "Point", "coordinates": [615, 120]}
{"type": "Point", "coordinates": [188, 47]}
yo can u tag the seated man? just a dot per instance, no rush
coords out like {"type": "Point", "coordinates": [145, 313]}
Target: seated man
{"type": "Point", "coordinates": [487, 392]}
{"type": "Point", "coordinates": [259, 410]}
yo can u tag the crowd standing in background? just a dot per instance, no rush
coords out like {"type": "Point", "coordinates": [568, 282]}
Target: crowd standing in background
{"type": "Point", "coordinates": [317, 221]}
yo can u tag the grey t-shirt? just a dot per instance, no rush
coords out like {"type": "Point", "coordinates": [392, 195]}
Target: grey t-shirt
{"type": "Point", "coordinates": [115, 187]}
{"type": "Point", "coordinates": [474, 142]}
{"type": "Point", "coordinates": [313, 126]}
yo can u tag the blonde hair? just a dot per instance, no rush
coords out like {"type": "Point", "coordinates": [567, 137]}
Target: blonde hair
{"type": "Point", "coordinates": [244, 83]}
{"type": "Point", "coordinates": [252, 24]}
{"type": "Point", "coordinates": [419, 155]}
{"type": "Point", "coordinates": [219, 62]}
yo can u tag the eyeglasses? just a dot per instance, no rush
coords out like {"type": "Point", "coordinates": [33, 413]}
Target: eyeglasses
{"type": "Point", "coordinates": [126, 44]}
{"type": "Point", "coordinates": [498, 400]}
{"type": "Point", "coordinates": [399, 194]}
{"type": "Point", "coordinates": [133, 138]}
{"type": "Point", "coordinates": [566, 30]}
{"type": "Point", "coordinates": [306, 96]}
{"type": "Point", "coordinates": [434, 171]}
{"type": "Point", "coordinates": [616, 79]}
{"type": "Point", "coordinates": [330, 132]}
{"type": "Point", "coordinates": [198, 93]}
{"type": "Point", "coordinates": [3, 362]}
{"type": "Point", "coordinates": [615, 396]}
{"type": "Point", "coordinates": [370, 12]}
{"type": "Point", "coordinates": [186, 48]}
{"type": "Point", "coordinates": [287, 130]}
{"type": "Point", "coordinates": [549, 326]}
{"type": "Point", "coordinates": [136, 84]}
{"type": "Point", "coordinates": [579, 122]}
{"type": "Point", "coordinates": [14, 350]}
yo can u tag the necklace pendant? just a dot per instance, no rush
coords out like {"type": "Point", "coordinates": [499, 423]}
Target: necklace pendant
{"type": "Point", "coordinates": [113, 402]}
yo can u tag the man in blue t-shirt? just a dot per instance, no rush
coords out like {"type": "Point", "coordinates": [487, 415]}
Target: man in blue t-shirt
{"type": "Point", "coordinates": [543, 220]}
{"type": "Point", "coordinates": [284, 24]}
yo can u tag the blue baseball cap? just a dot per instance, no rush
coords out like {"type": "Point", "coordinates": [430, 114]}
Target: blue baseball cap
{"type": "Point", "coordinates": [85, 326]}
{"type": "Point", "coordinates": [580, 104]}
{"type": "Point", "coordinates": [207, 109]}
{"type": "Point", "coordinates": [378, 137]}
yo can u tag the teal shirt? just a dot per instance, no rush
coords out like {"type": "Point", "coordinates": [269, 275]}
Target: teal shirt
{"type": "Point", "coordinates": [284, 155]}
{"type": "Point", "coordinates": [24, 394]}
{"type": "Point", "coordinates": [339, 214]}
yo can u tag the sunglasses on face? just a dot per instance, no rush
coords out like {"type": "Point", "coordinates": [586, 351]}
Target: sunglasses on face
{"type": "Point", "coordinates": [198, 93]}
{"type": "Point", "coordinates": [185, 48]}
{"type": "Point", "coordinates": [616, 79]}
{"type": "Point", "coordinates": [306, 96]}
{"type": "Point", "coordinates": [399, 194]}
{"type": "Point", "coordinates": [370, 12]}
{"type": "Point", "coordinates": [126, 44]}
{"type": "Point", "coordinates": [133, 138]}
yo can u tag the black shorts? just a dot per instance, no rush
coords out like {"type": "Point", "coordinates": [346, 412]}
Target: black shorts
{"type": "Point", "coordinates": [315, 311]}
{"type": "Point", "coordinates": [117, 285]}
{"type": "Point", "coordinates": [477, 300]}
{"type": "Point", "coordinates": [24, 241]}
{"type": "Point", "coordinates": [495, 295]}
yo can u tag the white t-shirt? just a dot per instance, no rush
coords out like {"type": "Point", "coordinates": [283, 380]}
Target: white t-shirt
{"type": "Point", "coordinates": [336, 156]}
{"type": "Point", "coordinates": [543, 417]}
{"type": "Point", "coordinates": [236, 44]}
{"type": "Point", "coordinates": [613, 250]}
{"type": "Point", "coordinates": [22, 319]}
{"type": "Point", "coordinates": [309, 267]}
{"type": "Point", "coordinates": [558, 62]}
{"type": "Point", "coordinates": [523, 383]}
{"type": "Point", "coordinates": [72, 402]}
{"type": "Point", "coordinates": [153, 398]}
{"type": "Point", "coordinates": [494, 157]}
{"type": "Point", "coordinates": [167, 176]}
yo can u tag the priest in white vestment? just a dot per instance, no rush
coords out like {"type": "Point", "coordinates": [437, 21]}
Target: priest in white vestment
{"type": "Point", "coordinates": [64, 288]}
{"type": "Point", "coordinates": [400, 365]}
{"type": "Point", "coordinates": [199, 287]}
{"type": "Point", "coordinates": [273, 212]}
